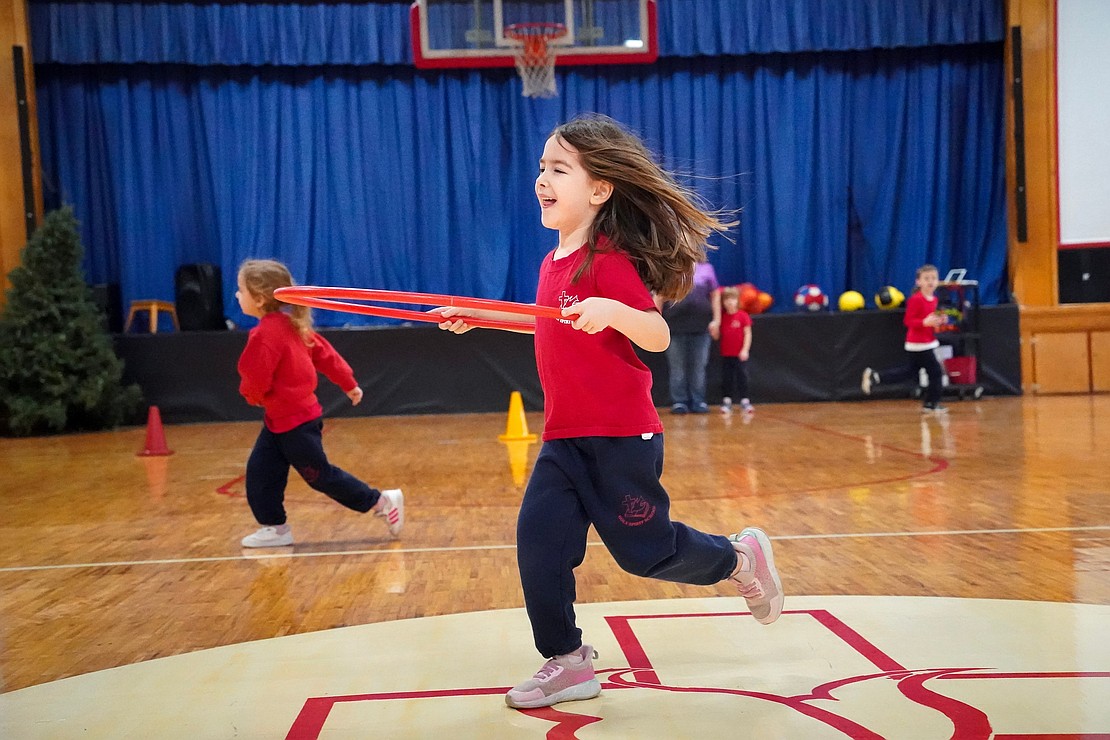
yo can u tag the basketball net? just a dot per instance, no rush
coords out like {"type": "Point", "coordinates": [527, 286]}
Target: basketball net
{"type": "Point", "coordinates": [535, 58]}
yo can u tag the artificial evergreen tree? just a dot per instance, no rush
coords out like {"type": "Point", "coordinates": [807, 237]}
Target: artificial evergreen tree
{"type": "Point", "coordinates": [58, 371]}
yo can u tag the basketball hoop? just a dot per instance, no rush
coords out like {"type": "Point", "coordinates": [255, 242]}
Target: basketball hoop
{"type": "Point", "coordinates": [535, 59]}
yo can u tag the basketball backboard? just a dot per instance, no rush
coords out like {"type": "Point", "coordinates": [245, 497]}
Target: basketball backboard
{"type": "Point", "coordinates": [472, 33]}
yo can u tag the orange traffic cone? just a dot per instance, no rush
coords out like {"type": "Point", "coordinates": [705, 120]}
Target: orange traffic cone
{"type": "Point", "coordinates": [155, 435]}
{"type": "Point", "coordinates": [516, 429]}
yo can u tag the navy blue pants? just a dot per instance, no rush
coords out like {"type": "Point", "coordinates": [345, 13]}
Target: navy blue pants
{"type": "Point", "coordinates": [612, 483]}
{"type": "Point", "coordinates": [734, 378]}
{"type": "Point", "coordinates": [303, 449]}
{"type": "Point", "coordinates": [925, 358]}
{"type": "Point", "coordinates": [687, 358]}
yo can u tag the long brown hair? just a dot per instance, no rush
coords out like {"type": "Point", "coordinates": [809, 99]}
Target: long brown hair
{"type": "Point", "coordinates": [262, 278]}
{"type": "Point", "coordinates": [659, 223]}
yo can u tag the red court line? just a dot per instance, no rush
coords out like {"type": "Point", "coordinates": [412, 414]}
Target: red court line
{"type": "Point", "coordinates": [225, 489]}
{"type": "Point", "coordinates": [310, 721]}
{"type": "Point", "coordinates": [939, 464]}
{"type": "Point", "coordinates": [967, 720]}
{"type": "Point", "coordinates": [1042, 674]}
{"type": "Point", "coordinates": [637, 657]}
{"type": "Point", "coordinates": [1056, 736]}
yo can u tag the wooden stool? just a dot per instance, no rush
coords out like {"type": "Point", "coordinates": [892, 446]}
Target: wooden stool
{"type": "Point", "coordinates": [152, 307]}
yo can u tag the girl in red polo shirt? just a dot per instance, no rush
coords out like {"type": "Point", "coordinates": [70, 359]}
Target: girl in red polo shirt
{"type": "Point", "coordinates": [626, 229]}
{"type": "Point", "coordinates": [278, 370]}
{"type": "Point", "coordinates": [735, 346]}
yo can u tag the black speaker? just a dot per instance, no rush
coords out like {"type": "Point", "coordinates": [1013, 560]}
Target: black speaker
{"type": "Point", "coordinates": [26, 160]}
{"type": "Point", "coordinates": [107, 299]}
{"type": "Point", "coordinates": [1084, 275]}
{"type": "Point", "coordinates": [199, 297]}
{"type": "Point", "coordinates": [1019, 136]}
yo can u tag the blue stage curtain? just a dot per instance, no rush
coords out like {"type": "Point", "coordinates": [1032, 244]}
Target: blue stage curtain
{"type": "Point", "coordinates": [850, 168]}
{"type": "Point", "coordinates": [338, 33]}
{"type": "Point", "coordinates": [740, 27]}
{"type": "Point", "coordinates": [205, 34]}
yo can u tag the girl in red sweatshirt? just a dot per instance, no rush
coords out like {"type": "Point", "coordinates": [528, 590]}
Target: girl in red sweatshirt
{"type": "Point", "coordinates": [922, 318]}
{"type": "Point", "coordinates": [278, 370]}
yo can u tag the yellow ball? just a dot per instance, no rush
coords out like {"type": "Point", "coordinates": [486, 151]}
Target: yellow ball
{"type": "Point", "coordinates": [889, 297]}
{"type": "Point", "coordinates": [851, 300]}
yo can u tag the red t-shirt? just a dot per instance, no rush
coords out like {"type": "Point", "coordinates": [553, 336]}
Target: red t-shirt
{"type": "Point", "coordinates": [732, 332]}
{"type": "Point", "coordinates": [594, 384]}
{"type": "Point", "coordinates": [917, 308]}
{"type": "Point", "coordinates": [278, 371]}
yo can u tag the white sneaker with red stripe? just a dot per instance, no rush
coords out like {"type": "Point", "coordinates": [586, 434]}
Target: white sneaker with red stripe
{"type": "Point", "coordinates": [393, 510]}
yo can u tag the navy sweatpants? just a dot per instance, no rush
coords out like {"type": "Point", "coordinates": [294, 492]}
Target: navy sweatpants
{"type": "Point", "coordinates": [612, 483]}
{"type": "Point", "coordinates": [303, 449]}
{"type": "Point", "coordinates": [918, 359]}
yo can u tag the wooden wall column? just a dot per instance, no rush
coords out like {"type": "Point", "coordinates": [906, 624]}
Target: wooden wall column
{"type": "Point", "coordinates": [1064, 348]}
{"type": "Point", "coordinates": [15, 32]}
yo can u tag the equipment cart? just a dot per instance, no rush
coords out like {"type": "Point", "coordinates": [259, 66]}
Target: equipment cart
{"type": "Point", "coordinates": [959, 300]}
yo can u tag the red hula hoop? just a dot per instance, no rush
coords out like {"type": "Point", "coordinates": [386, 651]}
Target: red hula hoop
{"type": "Point", "coordinates": [316, 296]}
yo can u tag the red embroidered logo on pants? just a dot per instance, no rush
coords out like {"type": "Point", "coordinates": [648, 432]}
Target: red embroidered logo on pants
{"type": "Point", "coordinates": [637, 511]}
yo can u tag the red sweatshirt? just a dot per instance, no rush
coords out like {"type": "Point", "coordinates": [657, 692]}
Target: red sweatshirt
{"type": "Point", "coordinates": [917, 308]}
{"type": "Point", "coordinates": [278, 372]}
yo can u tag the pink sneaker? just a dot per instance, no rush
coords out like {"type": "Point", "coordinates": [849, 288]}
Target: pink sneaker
{"type": "Point", "coordinates": [756, 578]}
{"type": "Point", "coordinates": [568, 677]}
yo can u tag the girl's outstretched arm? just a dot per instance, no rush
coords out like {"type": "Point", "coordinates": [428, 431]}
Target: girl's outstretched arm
{"type": "Point", "coordinates": [455, 319]}
{"type": "Point", "coordinates": [646, 329]}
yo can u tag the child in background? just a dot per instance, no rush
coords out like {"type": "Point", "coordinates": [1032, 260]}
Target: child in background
{"type": "Point", "coordinates": [278, 370]}
{"type": "Point", "coordinates": [736, 344]}
{"type": "Point", "coordinates": [921, 320]}
{"type": "Point", "coordinates": [626, 228]}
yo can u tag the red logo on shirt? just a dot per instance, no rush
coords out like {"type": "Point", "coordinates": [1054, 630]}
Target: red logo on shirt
{"type": "Point", "coordinates": [565, 301]}
{"type": "Point", "coordinates": [636, 511]}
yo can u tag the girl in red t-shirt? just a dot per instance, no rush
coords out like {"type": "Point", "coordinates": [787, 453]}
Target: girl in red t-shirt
{"type": "Point", "coordinates": [626, 228]}
{"type": "Point", "coordinates": [735, 345]}
{"type": "Point", "coordinates": [278, 371]}
{"type": "Point", "coordinates": [921, 320]}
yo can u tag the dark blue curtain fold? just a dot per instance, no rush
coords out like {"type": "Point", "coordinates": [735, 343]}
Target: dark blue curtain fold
{"type": "Point", "coordinates": [739, 27]}
{"type": "Point", "coordinates": [220, 33]}
{"type": "Point", "coordinates": [850, 168]}
{"type": "Point", "coordinates": [339, 33]}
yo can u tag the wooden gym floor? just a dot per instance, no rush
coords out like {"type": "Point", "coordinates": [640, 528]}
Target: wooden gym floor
{"type": "Point", "coordinates": [109, 560]}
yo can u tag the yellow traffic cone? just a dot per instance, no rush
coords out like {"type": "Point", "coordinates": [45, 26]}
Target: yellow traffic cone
{"type": "Point", "coordinates": [516, 429]}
